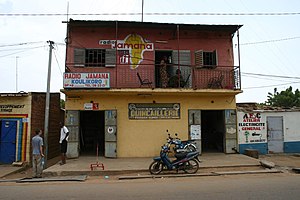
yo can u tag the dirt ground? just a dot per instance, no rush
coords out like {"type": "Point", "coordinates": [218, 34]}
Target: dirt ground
{"type": "Point", "coordinates": [283, 161]}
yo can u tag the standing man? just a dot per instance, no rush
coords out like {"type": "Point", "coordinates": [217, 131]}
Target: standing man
{"type": "Point", "coordinates": [64, 136]}
{"type": "Point", "coordinates": [37, 154]}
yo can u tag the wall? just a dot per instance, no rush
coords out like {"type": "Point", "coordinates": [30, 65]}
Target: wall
{"type": "Point", "coordinates": [252, 131]}
{"type": "Point", "coordinates": [291, 131]}
{"type": "Point", "coordinates": [38, 120]}
{"type": "Point", "coordinates": [143, 138]}
{"type": "Point", "coordinates": [30, 117]}
{"type": "Point", "coordinates": [22, 115]}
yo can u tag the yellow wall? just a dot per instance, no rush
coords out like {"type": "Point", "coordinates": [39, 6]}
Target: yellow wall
{"type": "Point", "coordinates": [26, 110]}
{"type": "Point", "coordinates": [143, 138]}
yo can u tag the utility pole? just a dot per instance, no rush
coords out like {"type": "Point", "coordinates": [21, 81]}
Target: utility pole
{"type": "Point", "coordinates": [46, 125]}
{"type": "Point", "coordinates": [17, 73]}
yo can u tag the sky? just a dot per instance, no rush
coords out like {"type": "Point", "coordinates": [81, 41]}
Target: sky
{"type": "Point", "coordinates": [269, 43]}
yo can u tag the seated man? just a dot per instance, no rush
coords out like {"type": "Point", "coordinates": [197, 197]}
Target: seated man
{"type": "Point", "coordinates": [174, 80]}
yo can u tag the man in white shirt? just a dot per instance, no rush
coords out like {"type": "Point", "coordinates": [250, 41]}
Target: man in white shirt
{"type": "Point", "coordinates": [64, 136]}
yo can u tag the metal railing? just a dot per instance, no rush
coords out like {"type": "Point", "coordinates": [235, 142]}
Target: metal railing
{"type": "Point", "coordinates": [122, 76]}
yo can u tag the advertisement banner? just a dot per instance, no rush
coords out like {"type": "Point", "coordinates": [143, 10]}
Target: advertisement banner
{"type": "Point", "coordinates": [252, 128]}
{"type": "Point", "coordinates": [86, 80]}
{"type": "Point", "coordinates": [154, 111]}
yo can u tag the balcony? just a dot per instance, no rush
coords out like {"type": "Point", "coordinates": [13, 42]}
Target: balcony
{"type": "Point", "coordinates": [121, 76]}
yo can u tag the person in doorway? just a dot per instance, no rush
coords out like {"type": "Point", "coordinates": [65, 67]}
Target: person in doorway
{"type": "Point", "coordinates": [163, 72]}
{"type": "Point", "coordinates": [64, 136]}
{"type": "Point", "coordinates": [37, 154]}
{"type": "Point", "coordinates": [176, 79]}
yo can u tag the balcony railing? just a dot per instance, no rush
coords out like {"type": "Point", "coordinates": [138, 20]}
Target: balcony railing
{"type": "Point", "coordinates": [121, 76]}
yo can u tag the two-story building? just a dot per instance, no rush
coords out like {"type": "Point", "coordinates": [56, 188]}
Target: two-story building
{"type": "Point", "coordinates": [121, 97]}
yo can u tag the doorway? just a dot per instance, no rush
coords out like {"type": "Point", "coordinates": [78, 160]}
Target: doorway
{"type": "Point", "coordinates": [213, 130]}
{"type": "Point", "coordinates": [92, 131]}
{"type": "Point", "coordinates": [275, 134]}
{"type": "Point", "coordinates": [8, 132]}
{"type": "Point", "coordinates": [159, 55]}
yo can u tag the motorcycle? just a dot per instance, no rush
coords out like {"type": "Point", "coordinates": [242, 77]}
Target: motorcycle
{"type": "Point", "coordinates": [186, 161]}
{"type": "Point", "coordinates": [181, 146]}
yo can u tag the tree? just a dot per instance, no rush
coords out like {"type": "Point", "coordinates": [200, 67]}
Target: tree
{"type": "Point", "coordinates": [285, 98]}
{"type": "Point", "coordinates": [62, 104]}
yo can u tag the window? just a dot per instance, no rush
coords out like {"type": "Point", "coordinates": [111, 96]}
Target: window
{"type": "Point", "coordinates": [205, 59]}
{"type": "Point", "coordinates": [95, 57]}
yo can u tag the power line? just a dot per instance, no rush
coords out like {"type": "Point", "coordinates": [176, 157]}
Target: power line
{"type": "Point", "coordinates": [167, 14]}
{"type": "Point", "coordinates": [268, 75]}
{"type": "Point", "coordinates": [20, 44]}
{"type": "Point", "coordinates": [269, 41]}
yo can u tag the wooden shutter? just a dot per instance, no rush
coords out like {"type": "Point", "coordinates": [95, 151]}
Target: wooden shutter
{"type": "Point", "coordinates": [185, 64]}
{"type": "Point", "coordinates": [110, 57]}
{"type": "Point", "coordinates": [79, 57]}
{"type": "Point", "coordinates": [199, 59]}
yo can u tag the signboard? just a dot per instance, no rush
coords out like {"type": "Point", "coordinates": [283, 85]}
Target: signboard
{"type": "Point", "coordinates": [91, 106]}
{"type": "Point", "coordinates": [10, 107]}
{"type": "Point", "coordinates": [134, 45]}
{"type": "Point", "coordinates": [252, 128]}
{"type": "Point", "coordinates": [195, 132]}
{"type": "Point", "coordinates": [86, 80]}
{"type": "Point", "coordinates": [154, 111]}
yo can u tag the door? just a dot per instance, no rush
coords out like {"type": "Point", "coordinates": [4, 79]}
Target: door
{"type": "Point", "coordinates": [230, 131]}
{"type": "Point", "coordinates": [275, 134]}
{"type": "Point", "coordinates": [195, 127]}
{"type": "Point", "coordinates": [111, 133]}
{"type": "Point", "coordinates": [72, 123]}
{"type": "Point", "coordinates": [8, 134]}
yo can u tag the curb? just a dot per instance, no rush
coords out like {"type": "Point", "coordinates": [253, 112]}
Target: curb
{"type": "Point", "coordinates": [199, 175]}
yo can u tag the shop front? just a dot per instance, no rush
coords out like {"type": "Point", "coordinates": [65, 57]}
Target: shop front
{"type": "Point", "coordinates": [134, 122]}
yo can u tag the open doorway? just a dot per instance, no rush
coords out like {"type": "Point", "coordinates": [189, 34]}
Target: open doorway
{"type": "Point", "coordinates": [92, 132]}
{"type": "Point", "coordinates": [159, 55]}
{"type": "Point", "coordinates": [213, 130]}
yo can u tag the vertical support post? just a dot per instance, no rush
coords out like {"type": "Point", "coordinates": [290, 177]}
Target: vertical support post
{"type": "Point", "coordinates": [116, 46]}
{"type": "Point", "coordinates": [46, 124]}
{"type": "Point", "coordinates": [239, 58]}
{"type": "Point", "coordinates": [178, 46]}
{"type": "Point", "coordinates": [142, 10]}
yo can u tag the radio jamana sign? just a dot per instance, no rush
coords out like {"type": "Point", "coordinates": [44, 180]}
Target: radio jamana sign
{"type": "Point", "coordinates": [86, 80]}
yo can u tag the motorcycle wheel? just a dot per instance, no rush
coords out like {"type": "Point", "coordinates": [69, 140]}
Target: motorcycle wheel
{"type": "Point", "coordinates": [190, 148]}
{"type": "Point", "coordinates": [191, 166]}
{"type": "Point", "coordinates": [156, 167]}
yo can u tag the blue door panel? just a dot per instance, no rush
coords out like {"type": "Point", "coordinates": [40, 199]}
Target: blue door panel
{"type": "Point", "coordinates": [8, 134]}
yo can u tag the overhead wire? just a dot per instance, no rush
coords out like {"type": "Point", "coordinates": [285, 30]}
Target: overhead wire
{"type": "Point", "coordinates": [149, 13]}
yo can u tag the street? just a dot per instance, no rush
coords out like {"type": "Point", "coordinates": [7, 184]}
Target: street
{"type": "Point", "coordinates": [263, 186]}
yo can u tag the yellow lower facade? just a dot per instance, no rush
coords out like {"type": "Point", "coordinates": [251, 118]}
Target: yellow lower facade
{"type": "Point", "coordinates": [141, 118]}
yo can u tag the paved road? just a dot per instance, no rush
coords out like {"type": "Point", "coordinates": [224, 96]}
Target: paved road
{"type": "Point", "coordinates": [263, 186]}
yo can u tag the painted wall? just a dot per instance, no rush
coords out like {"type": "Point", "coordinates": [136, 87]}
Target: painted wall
{"type": "Point", "coordinates": [20, 112]}
{"type": "Point", "coordinates": [143, 138]}
{"type": "Point", "coordinates": [29, 112]}
{"type": "Point", "coordinates": [252, 131]}
{"type": "Point", "coordinates": [291, 131]}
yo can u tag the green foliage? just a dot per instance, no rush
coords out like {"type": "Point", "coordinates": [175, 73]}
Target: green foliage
{"type": "Point", "coordinates": [62, 104]}
{"type": "Point", "coordinates": [285, 98]}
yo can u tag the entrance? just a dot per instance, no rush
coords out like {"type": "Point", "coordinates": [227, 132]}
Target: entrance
{"type": "Point", "coordinates": [8, 132]}
{"type": "Point", "coordinates": [275, 134]}
{"type": "Point", "coordinates": [92, 131]}
{"type": "Point", "coordinates": [159, 55]}
{"type": "Point", "coordinates": [213, 130]}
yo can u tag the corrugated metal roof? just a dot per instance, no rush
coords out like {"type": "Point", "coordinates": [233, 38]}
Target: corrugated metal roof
{"type": "Point", "coordinates": [134, 24]}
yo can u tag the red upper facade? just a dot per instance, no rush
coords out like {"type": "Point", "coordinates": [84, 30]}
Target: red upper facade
{"type": "Point", "coordinates": [130, 54]}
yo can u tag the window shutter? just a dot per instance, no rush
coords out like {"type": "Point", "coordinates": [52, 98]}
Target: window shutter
{"type": "Point", "coordinates": [79, 57]}
{"type": "Point", "coordinates": [110, 58]}
{"type": "Point", "coordinates": [185, 63]}
{"type": "Point", "coordinates": [215, 61]}
{"type": "Point", "coordinates": [199, 58]}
